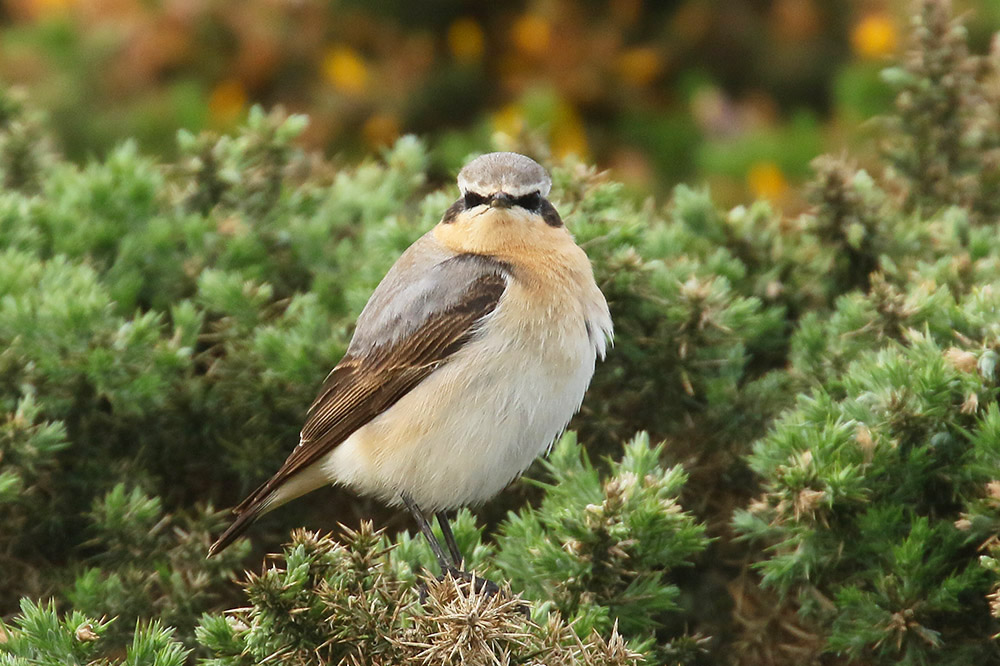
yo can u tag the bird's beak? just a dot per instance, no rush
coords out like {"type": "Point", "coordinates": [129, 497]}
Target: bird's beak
{"type": "Point", "coordinates": [501, 200]}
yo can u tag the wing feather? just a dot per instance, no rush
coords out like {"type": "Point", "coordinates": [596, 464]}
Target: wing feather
{"type": "Point", "coordinates": [369, 381]}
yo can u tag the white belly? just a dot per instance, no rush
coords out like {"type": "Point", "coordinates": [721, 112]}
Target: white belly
{"type": "Point", "coordinates": [477, 422]}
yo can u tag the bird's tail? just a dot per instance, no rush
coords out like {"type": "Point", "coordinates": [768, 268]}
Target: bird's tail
{"type": "Point", "coordinates": [243, 521]}
{"type": "Point", "coordinates": [259, 502]}
{"type": "Point", "coordinates": [268, 496]}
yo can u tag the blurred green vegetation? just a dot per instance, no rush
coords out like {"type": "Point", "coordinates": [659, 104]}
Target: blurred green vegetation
{"type": "Point", "coordinates": [737, 94]}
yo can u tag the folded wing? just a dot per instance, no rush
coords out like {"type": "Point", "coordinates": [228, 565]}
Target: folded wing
{"type": "Point", "coordinates": [405, 332]}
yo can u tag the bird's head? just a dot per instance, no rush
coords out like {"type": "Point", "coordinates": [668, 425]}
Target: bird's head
{"type": "Point", "coordinates": [504, 180]}
{"type": "Point", "coordinates": [503, 202]}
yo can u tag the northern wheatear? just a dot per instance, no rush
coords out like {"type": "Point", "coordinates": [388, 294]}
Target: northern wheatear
{"type": "Point", "coordinates": [467, 362]}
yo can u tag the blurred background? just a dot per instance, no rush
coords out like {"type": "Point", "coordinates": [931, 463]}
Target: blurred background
{"type": "Point", "coordinates": [739, 94]}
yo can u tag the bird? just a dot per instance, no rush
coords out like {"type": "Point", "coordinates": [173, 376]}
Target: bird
{"type": "Point", "coordinates": [468, 361]}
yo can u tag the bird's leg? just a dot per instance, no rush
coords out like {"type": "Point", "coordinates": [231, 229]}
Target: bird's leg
{"type": "Point", "coordinates": [480, 584]}
{"type": "Point", "coordinates": [425, 529]}
{"type": "Point", "coordinates": [449, 538]}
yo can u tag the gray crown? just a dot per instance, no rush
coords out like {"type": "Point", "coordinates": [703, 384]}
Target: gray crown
{"type": "Point", "coordinates": [512, 173]}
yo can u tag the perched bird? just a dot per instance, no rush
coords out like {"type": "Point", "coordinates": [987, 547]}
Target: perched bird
{"type": "Point", "coordinates": [467, 362]}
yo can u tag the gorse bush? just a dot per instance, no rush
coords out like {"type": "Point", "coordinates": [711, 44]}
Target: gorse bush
{"type": "Point", "coordinates": [184, 303]}
{"type": "Point", "coordinates": [879, 503]}
{"type": "Point", "coordinates": [816, 477]}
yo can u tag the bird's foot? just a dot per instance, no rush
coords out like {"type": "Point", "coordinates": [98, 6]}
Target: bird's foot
{"type": "Point", "coordinates": [479, 584]}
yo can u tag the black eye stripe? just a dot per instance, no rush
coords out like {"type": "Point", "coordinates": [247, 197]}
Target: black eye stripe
{"type": "Point", "coordinates": [550, 214]}
{"type": "Point", "coordinates": [472, 199]}
{"type": "Point", "coordinates": [453, 211]}
{"type": "Point", "coordinates": [531, 201]}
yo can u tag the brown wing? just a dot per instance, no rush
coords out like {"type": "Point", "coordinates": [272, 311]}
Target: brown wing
{"type": "Point", "coordinates": [362, 387]}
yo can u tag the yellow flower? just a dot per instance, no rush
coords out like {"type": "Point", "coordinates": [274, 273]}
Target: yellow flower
{"type": "Point", "coordinates": [639, 66]}
{"type": "Point", "coordinates": [40, 8]}
{"type": "Point", "coordinates": [466, 41]}
{"type": "Point", "coordinates": [766, 181]}
{"type": "Point", "coordinates": [569, 137]}
{"type": "Point", "coordinates": [380, 130]}
{"type": "Point", "coordinates": [345, 70]}
{"type": "Point", "coordinates": [509, 120]}
{"type": "Point", "coordinates": [227, 101]}
{"type": "Point", "coordinates": [874, 36]}
{"type": "Point", "coordinates": [532, 34]}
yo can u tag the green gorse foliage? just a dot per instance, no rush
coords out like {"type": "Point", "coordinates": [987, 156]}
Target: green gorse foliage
{"type": "Point", "coordinates": [816, 474]}
{"type": "Point", "coordinates": [41, 636]}
{"type": "Point", "coordinates": [880, 484]}
{"type": "Point", "coordinates": [601, 550]}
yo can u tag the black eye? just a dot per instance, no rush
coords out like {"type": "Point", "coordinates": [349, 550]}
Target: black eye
{"type": "Point", "coordinates": [531, 201]}
{"type": "Point", "coordinates": [472, 199]}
